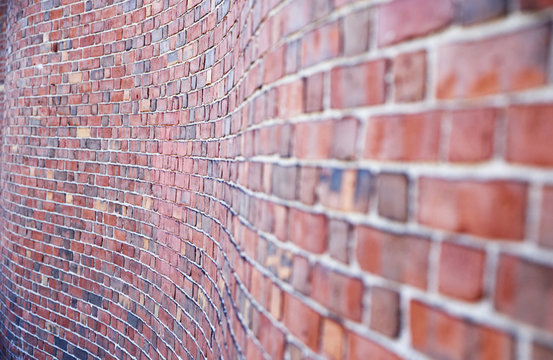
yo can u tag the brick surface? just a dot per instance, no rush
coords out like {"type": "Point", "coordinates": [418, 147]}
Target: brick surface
{"type": "Point", "coordinates": [386, 255]}
{"type": "Point", "coordinates": [295, 179]}
{"type": "Point", "coordinates": [464, 206]}
{"type": "Point", "coordinates": [461, 272]}
{"type": "Point", "coordinates": [358, 85]}
{"type": "Point", "coordinates": [523, 291]}
{"type": "Point", "coordinates": [472, 135]}
{"type": "Point", "coordinates": [528, 133]}
{"type": "Point", "coordinates": [412, 137]}
{"type": "Point", "coordinates": [473, 69]}
{"type": "Point", "coordinates": [393, 197]}
{"type": "Point", "coordinates": [401, 20]}
{"type": "Point", "coordinates": [440, 335]}
{"type": "Point", "coordinates": [385, 311]}
{"type": "Point", "coordinates": [410, 76]}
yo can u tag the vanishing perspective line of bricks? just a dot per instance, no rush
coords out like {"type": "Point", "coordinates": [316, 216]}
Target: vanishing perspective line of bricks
{"type": "Point", "coordinates": [267, 179]}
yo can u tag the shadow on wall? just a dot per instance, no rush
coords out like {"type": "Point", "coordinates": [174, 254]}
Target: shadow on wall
{"type": "Point", "coordinates": [276, 179]}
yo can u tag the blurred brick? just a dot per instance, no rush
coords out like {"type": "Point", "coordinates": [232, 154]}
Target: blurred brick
{"type": "Point", "coordinates": [473, 11]}
{"type": "Point", "coordinates": [320, 44]}
{"type": "Point", "coordinates": [333, 339]}
{"type": "Point", "coordinates": [523, 291]}
{"type": "Point", "coordinates": [308, 231]}
{"type": "Point", "coordinates": [400, 258]}
{"type": "Point", "coordinates": [339, 234]}
{"type": "Point", "coordinates": [302, 321]}
{"type": "Point", "coordinates": [493, 209]}
{"type": "Point", "coordinates": [443, 336]}
{"type": "Point", "coordinates": [500, 64]}
{"type": "Point", "coordinates": [393, 194]}
{"type": "Point", "coordinates": [410, 76]}
{"type": "Point", "coordinates": [535, 4]}
{"type": "Point", "coordinates": [529, 132]}
{"type": "Point", "coordinates": [410, 137]}
{"type": "Point", "coordinates": [358, 85]}
{"type": "Point", "coordinates": [400, 20]}
{"type": "Point", "coordinates": [314, 91]}
{"type": "Point", "coordinates": [359, 347]}
{"type": "Point", "coordinates": [472, 135]}
{"type": "Point", "coordinates": [356, 29]}
{"type": "Point", "coordinates": [546, 223]}
{"type": "Point", "coordinates": [385, 311]}
{"type": "Point", "coordinates": [339, 293]}
{"type": "Point", "coordinates": [461, 272]}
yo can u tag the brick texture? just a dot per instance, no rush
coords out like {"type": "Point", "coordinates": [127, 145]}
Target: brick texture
{"type": "Point", "coordinates": [276, 179]}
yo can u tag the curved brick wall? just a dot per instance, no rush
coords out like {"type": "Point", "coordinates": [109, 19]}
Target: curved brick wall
{"type": "Point", "coordinates": [298, 179]}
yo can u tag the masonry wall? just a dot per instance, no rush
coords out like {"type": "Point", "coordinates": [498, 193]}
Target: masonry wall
{"type": "Point", "coordinates": [280, 179]}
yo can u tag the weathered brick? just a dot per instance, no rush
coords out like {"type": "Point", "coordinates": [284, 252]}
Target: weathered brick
{"type": "Point", "coordinates": [522, 291]}
{"type": "Point", "coordinates": [546, 221]}
{"type": "Point", "coordinates": [410, 76]}
{"type": "Point", "coordinates": [358, 85]}
{"type": "Point", "coordinates": [339, 293]}
{"type": "Point", "coordinates": [461, 272]}
{"type": "Point", "coordinates": [356, 29]}
{"type": "Point", "coordinates": [466, 207]}
{"type": "Point", "coordinates": [385, 311]}
{"type": "Point", "coordinates": [500, 64]}
{"type": "Point", "coordinates": [400, 20]}
{"type": "Point", "coordinates": [401, 258]}
{"type": "Point", "coordinates": [393, 196]}
{"type": "Point", "coordinates": [472, 135]}
{"type": "Point", "coordinates": [302, 321]}
{"type": "Point", "coordinates": [440, 335]}
{"type": "Point", "coordinates": [529, 132]}
{"type": "Point", "coordinates": [410, 137]}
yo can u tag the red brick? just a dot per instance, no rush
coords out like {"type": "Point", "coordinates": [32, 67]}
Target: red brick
{"type": "Point", "coordinates": [359, 348]}
{"type": "Point", "coordinates": [356, 28]}
{"type": "Point", "coordinates": [290, 98]}
{"type": "Point", "coordinates": [271, 338]}
{"type": "Point", "coordinates": [529, 133]}
{"type": "Point", "coordinates": [339, 240]}
{"type": "Point", "coordinates": [473, 11]}
{"type": "Point", "coordinates": [541, 352]}
{"type": "Point", "coordinates": [344, 140]}
{"type": "Point", "coordinates": [308, 231]}
{"type": "Point", "coordinates": [301, 274]}
{"type": "Point", "coordinates": [493, 209]}
{"type": "Point", "coordinates": [314, 91]}
{"type": "Point", "coordinates": [443, 336]}
{"type": "Point", "coordinates": [410, 137]}
{"type": "Point", "coordinates": [500, 64]}
{"type": "Point", "coordinates": [302, 321]}
{"type": "Point", "coordinates": [401, 20]}
{"type": "Point", "coordinates": [333, 340]}
{"type": "Point", "coordinates": [339, 293]}
{"type": "Point", "coordinates": [358, 85]}
{"type": "Point", "coordinates": [461, 272]}
{"type": "Point", "coordinates": [401, 258]}
{"type": "Point", "coordinates": [535, 4]}
{"type": "Point", "coordinates": [523, 291]}
{"type": "Point", "coordinates": [320, 44]}
{"type": "Point", "coordinates": [546, 223]}
{"type": "Point", "coordinates": [472, 135]}
{"type": "Point", "coordinates": [393, 197]}
{"type": "Point", "coordinates": [385, 311]}
{"type": "Point", "coordinates": [410, 76]}
{"type": "Point", "coordinates": [274, 65]}
{"type": "Point", "coordinates": [313, 140]}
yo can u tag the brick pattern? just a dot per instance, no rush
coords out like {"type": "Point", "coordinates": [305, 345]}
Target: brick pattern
{"type": "Point", "coordinates": [342, 179]}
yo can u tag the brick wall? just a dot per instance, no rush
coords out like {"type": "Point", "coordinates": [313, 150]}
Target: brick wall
{"type": "Point", "coordinates": [298, 179]}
